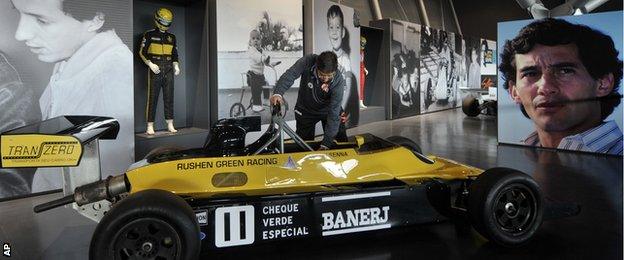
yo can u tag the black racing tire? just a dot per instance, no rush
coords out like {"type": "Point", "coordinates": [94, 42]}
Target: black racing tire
{"type": "Point", "coordinates": [237, 110]}
{"type": "Point", "coordinates": [470, 106]}
{"type": "Point", "coordinates": [505, 206]}
{"type": "Point", "coordinates": [405, 142]}
{"type": "Point", "coordinates": [146, 225]}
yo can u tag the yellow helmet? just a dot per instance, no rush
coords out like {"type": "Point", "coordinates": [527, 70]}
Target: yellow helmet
{"type": "Point", "coordinates": [163, 18]}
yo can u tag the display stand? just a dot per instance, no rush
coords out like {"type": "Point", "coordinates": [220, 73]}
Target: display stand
{"type": "Point", "coordinates": [374, 90]}
{"type": "Point", "coordinates": [191, 111]}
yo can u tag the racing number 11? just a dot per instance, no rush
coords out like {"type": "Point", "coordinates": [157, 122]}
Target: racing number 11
{"type": "Point", "coordinates": [234, 226]}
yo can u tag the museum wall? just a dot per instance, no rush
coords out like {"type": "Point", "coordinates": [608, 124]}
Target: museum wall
{"type": "Point", "coordinates": [208, 87]}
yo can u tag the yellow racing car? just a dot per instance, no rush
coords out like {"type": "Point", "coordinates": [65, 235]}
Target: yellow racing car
{"type": "Point", "coordinates": [175, 204]}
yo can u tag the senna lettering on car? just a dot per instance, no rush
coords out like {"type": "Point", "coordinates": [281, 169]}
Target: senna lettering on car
{"type": "Point", "coordinates": [37, 150]}
{"type": "Point", "coordinates": [238, 225]}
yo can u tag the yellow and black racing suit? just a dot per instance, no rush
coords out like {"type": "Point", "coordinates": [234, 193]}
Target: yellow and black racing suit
{"type": "Point", "coordinates": [160, 48]}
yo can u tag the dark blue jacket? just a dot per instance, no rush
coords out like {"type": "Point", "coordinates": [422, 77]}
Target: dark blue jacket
{"type": "Point", "coordinates": [311, 100]}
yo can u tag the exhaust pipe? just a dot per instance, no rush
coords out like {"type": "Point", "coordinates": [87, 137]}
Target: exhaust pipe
{"type": "Point", "coordinates": [105, 189]}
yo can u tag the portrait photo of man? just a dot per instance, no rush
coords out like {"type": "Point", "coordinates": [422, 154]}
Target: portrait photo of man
{"type": "Point", "coordinates": [565, 77]}
{"type": "Point", "coordinates": [92, 73]}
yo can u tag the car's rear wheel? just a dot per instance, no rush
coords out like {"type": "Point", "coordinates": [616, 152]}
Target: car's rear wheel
{"type": "Point", "coordinates": [505, 206]}
{"type": "Point", "coordinates": [470, 106]}
{"type": "Point", "coordinates": [405, 142]}
{"type": "Point", "coordinates": [150, 224]}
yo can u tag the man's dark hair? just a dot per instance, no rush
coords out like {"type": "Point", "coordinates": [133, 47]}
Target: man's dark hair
{"type": "Point", "coordinates": [595, 49]}
{"type": "Point", "coordinates": [115, 16]}
{"type": "Point", "coordinates": [327, 61]}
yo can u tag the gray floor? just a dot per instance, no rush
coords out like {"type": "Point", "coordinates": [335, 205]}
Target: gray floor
{"type": "Point", "coordinates": [593, 182]}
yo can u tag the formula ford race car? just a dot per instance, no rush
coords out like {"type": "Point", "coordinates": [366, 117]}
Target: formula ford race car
{"type": "Point", "coordinates": [175, 204]}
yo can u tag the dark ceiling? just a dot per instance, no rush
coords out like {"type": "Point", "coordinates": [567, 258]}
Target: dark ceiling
{"type": "Point", "coordinates": [480, 17]}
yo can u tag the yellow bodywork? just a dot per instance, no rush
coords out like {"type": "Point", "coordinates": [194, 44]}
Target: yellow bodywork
{"type": "Point", "coordinates": [291, 172]}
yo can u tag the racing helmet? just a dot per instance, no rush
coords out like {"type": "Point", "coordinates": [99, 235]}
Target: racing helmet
{"type": "Point", "coordinates": [163, 18]}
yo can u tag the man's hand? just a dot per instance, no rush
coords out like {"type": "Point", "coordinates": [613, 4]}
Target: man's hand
{"type": "Point", "coordinates": [325, 87]}
{"type": "Point", "coordinates": [153, 67]}
{"type": "Point", "coordinates": [176, 69]}
{"type": "Point", "coordinates": [344, 117]}
{"type": "Point", "coordinates": [276, 99]}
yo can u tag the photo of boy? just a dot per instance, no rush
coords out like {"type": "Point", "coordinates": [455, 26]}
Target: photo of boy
{"type": "Point", "coordinates": [343, 38]}
{"type": "Point", "coordinates": [255, 75]}
{"type": "Point", "coordinates": [339, 39]}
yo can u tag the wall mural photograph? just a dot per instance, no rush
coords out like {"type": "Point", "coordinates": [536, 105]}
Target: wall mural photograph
{"type": "Point", "coordinates": [335, 30]}
{"type": "Point", "coordinates": [439, 71]}
{"type": "Point", "coordinates": [404, 59]}
{"type": "Point", "coordinates": [571, 100]}
{"type": "Point", "coordinates": [65, 57]}
{"type": "Point", "coordinates": [474, 62]}
{"type": "Point", "coordinates": [254, 51]}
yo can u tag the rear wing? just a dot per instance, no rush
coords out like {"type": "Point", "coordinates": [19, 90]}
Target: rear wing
{"type": "Point", "coordinates": [56, 142]}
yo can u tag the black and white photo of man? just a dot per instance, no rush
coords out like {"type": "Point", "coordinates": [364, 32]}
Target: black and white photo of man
{"type": "Point", "coordinates": [92, 72]}
{"type": "Point", "coordinates": [404, 61]}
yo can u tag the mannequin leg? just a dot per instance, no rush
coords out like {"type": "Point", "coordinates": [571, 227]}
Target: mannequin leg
{"type": "Point", "coordinates": [150, 128]}
{"type": "Point", "coordinates": [361, 94]}
{"type": "Point", "coordinates": [153, 89]}
{"type": "Point", "coordinates": [168, 99]}
{"type": "Point", "coordinates": [170, 126]}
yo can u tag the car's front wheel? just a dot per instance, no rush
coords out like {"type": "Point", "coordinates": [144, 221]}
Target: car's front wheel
{"type": "Point", "coordinates": [505, 206]}
{"type": "Point", "coordinates": [150, 224]}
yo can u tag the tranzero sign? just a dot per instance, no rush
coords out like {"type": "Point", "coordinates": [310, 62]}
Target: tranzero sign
{"type": "Point", "coordinates": [35, 150]}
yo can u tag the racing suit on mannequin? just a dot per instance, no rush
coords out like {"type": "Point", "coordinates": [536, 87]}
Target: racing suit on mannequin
{"type": "Point", "coordinates": [159, 51]}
